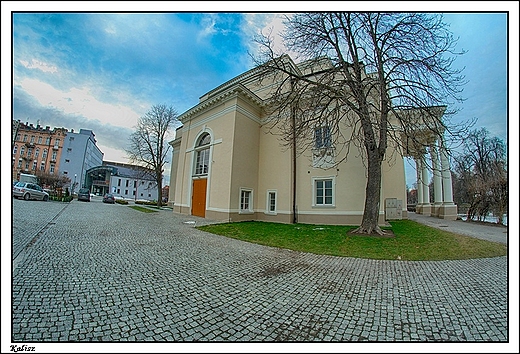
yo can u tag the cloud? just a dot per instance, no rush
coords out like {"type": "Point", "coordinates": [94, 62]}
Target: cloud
{"type": "Point", "coordinates": [36, 64]}
{"type": "Point", "coordinates": [79, 101]}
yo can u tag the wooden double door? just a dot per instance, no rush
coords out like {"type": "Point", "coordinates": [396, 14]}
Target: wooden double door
{"type": "Point", "coordinates": [198, 197]}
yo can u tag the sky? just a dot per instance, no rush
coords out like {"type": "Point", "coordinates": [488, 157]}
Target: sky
{"type": "Point", "coordinates": [102, 71]}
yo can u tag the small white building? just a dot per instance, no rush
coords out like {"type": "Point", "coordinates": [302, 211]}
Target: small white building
{"type": "Point", "coordinates": [124, 181]}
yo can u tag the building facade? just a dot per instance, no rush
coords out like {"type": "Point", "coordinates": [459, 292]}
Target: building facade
{"type": "Point", "coordinates": [36, 149]}
{"type": "Point", "coordinates": [124, 181]}
{"type": "Point", "coordinates": [227, 164]}
{"type": "Point", "coordinates": [80, 153]}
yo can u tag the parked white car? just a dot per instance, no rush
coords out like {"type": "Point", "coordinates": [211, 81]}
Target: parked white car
{"type": "Point", "coordinates": [29, 191]}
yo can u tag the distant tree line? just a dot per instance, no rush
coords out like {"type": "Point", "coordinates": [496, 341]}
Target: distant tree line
{"type": "Point", "coordinates": [480, 179]}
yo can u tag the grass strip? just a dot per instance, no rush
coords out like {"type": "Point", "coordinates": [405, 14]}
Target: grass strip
{"type": "Point", "coordinates": [412, 241]}
{"type": "Point", "coordinates": [143, 209]}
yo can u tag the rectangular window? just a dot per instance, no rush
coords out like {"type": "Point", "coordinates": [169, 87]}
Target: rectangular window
{"type": "Point", "coordinates": [133, 192]}
{"type": "Point", "coordinates": [246, 201]}
{"type": "Point", "coordinates": [25, 138]}
{"type": "Point", "coordinates": [32, 139]}
{"type": "Point", "coordinates": [22, 150]}
{"type": "Point", "coordinates": [135, 184]}
{"type": "Point", "coordinates": [322, 138]}
{"type": "Point", "coordinates": [36, 152]}
{"type": "Point", "coordinates": [47, 141]}
{"type": "Point", "coordinates": [44, 155]}
{"type": "Point", "coordinates": [39, 140]}
{"type": "Point", "coordinates": [27, 165]}
{"type": "Point", "coordinates": [42, 166]}
{"type": "Point", "coordinates": [324, 192]}
{"type": "Point", "coordinates": [15, 149]}
{"type": "Point", "coordinates": [126, 191]}
{"type": "Point", "coordinates": [20, 163]}
{"type": "Point", "coordinates": [34, 165]}
{"type": "Point", "coordinates": [202, 162]}
{"type": "Point", "coordinates": [118, 191]}
{"type": "Point", "coordinates": [54, 154]}
{"type": "Point", "coordinates": [119, 183]}
{"type": "Point", "coordinates": [52, 169]}
{"type": "Point", "coordinates": [271, 202]}
{"type": "Point", "coordinates": [126, 183]}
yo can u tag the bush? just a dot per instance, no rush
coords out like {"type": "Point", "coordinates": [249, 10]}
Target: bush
{"type": "Point", "coordinates": [145, 202]}
{"type": "Point", "coordinates": [121, 201]}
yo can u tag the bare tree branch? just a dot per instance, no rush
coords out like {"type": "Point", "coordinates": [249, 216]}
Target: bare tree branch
{"type": "Point", "coordinates": [147, 146]}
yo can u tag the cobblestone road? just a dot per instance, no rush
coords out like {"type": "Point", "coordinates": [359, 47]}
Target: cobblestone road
{"type": "Point", "coordinates": [99, 272]}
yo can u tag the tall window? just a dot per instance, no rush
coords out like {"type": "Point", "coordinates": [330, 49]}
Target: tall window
{"type": "Point", "coordinates": [47, 141]}
{"type": "Point", "coordinates": [36, 153]}
{"type": "Point", "coordinates": [39, 140]}
{"type": "Point", "coordinates": [324, 192]}
{"type": "Point", "coordinates": [51, 169]}
{"type": "Point", "coordinates": [54, 153]}
{"type": "Point", "coordinates": [20, 163]}
{"type": "Point", "coordinates": [25, 138]}
{"type": "Point", "coordinates": [34, 165]}
{"type": "Point", "coordinates": [42, 166]}
{"type": "Point", "coordinates": [44, 155]}
{"type": "Point", "coordinates": [322, 138]}
{"type": "Point", "coordinates": [15, 149]}
{"type": "Point", "coordinates": [32, 139]}
{"type": "Point", "coordinates": [202, 155]}
{"type": "Point", "coordinates": [246, 200]}
{"type": "Point", "coordinates": [271, 201]}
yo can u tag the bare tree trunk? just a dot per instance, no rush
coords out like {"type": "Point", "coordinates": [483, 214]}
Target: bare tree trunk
{"type": "Point", "coordinates": [369, 224]}
{"type": "Point", "coordinates": [159, 190]}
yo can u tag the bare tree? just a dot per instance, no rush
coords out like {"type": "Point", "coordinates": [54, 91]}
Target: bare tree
{"type": "Point", "coordinates": [375, 80]}
{"type": "Point", "coordinates": [481, 175]}
{"type": "Point", "coordinates": [148, 147]}
{"type": "Point", "coordinates": [53, 181]}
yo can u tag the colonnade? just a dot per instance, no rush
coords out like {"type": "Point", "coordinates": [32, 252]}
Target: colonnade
{"type": "Point", "coordinates": [443, 206]}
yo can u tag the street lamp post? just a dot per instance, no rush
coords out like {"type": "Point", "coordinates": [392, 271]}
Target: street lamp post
{"type": "Point", "coordinates": [74, 184]}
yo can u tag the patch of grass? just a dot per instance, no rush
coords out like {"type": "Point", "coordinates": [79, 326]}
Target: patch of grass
{"type": "Point", "coordinates": [143, 209]}
{"type": "Point", "coordinates": [412, 241]}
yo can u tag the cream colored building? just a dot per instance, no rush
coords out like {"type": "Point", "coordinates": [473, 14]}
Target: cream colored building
{"type": "Point", "coordinates": [227, 165]}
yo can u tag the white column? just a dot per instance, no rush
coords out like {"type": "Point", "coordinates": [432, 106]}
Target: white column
{"type": "Point", "coordinates": [419, 181]}
{"type": "Point", "coordinates": [426, 190]}
{"type": "Point", "coordinates": [437, 175]}
{"type": "Point", "coordinates": [446, 176]}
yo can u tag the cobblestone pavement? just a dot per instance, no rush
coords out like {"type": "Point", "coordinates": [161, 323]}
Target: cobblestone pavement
{"type": "Point", "coordinates": [101, 272]}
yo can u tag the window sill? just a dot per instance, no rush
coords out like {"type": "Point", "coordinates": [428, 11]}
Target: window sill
{"type": "Point", "coordinates": [245, 212]}
{"type": "Point", "coordinates": [324, 206]}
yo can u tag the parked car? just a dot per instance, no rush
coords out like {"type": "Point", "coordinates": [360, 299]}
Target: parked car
{"type": "Point", "coordinates": [29, 191]}
{"type": "Point", "coordinates": [109, 198]}
{"type": "Point", "coordinates": [84, 194]}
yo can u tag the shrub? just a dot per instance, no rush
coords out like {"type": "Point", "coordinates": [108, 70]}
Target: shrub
{"type": "Point", "coordinates": [121, 201]}
{"type": "Point", "coordinates": [145, 202]}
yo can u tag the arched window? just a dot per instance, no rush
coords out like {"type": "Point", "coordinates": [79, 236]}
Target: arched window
{"type": "Point", "coordinates": [202, 155]}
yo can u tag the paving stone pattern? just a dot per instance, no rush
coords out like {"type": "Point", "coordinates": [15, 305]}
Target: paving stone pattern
{"type": "Point", "coordinates": [101, 272]}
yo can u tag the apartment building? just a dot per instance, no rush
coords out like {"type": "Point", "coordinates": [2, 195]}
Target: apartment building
{"type": "Point", "coordinates": [36, 148]}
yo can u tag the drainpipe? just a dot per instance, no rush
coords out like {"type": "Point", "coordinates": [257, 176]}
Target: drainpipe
{"type": "Point", "coordinates": [293, 122]}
